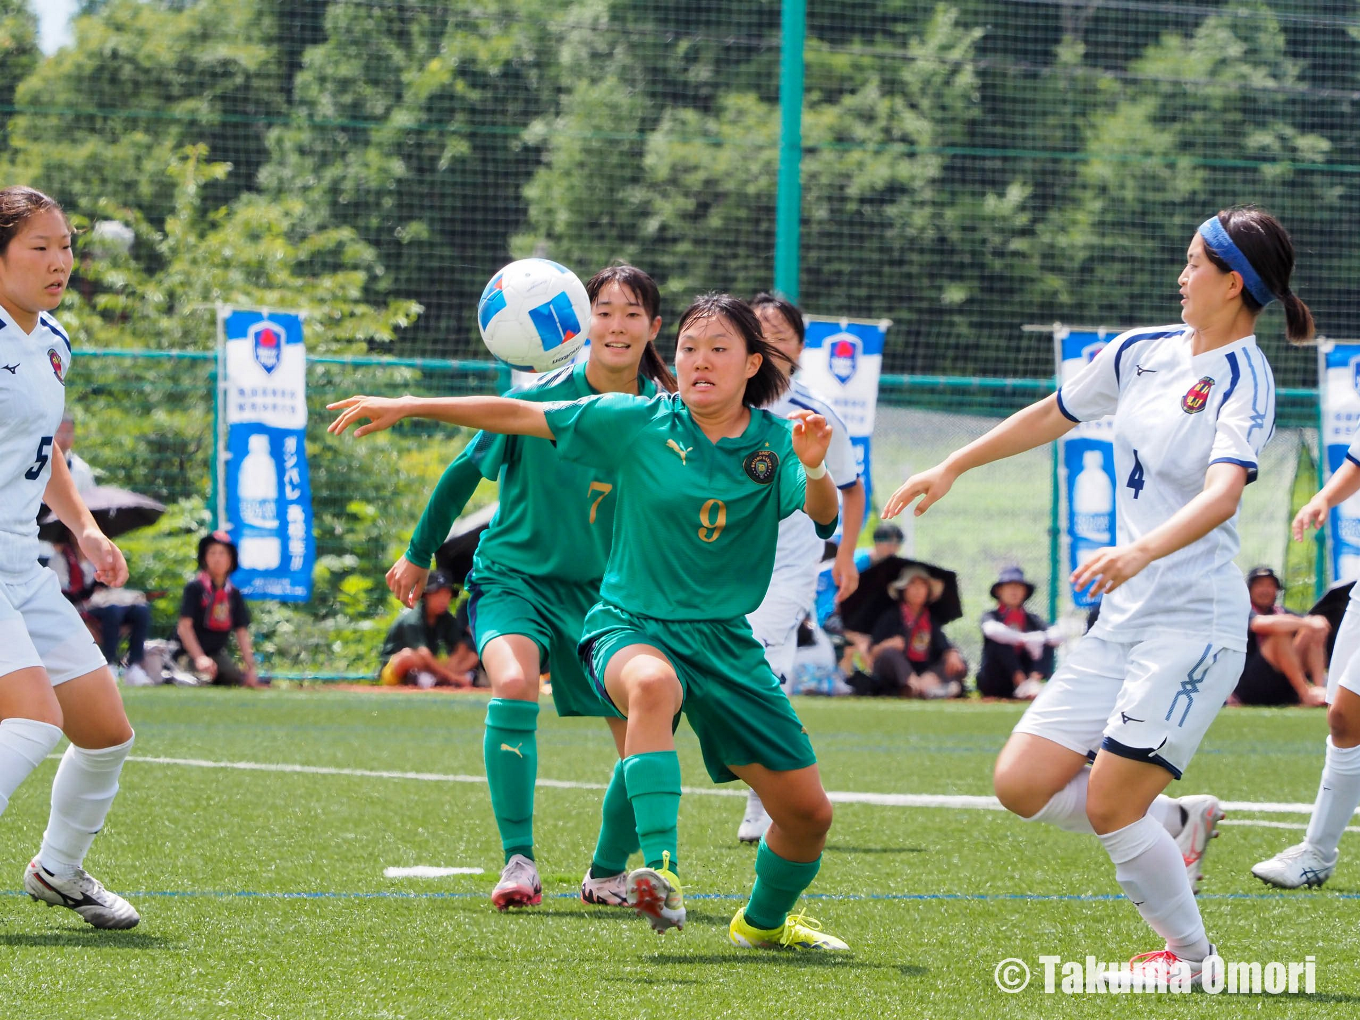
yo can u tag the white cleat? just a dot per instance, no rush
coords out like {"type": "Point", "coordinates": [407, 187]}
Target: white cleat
{"type": "Point", "coordinates": [655, 894]}
{"type": "Point", "coordinates": [1202, 815]}
{"type": "Point", "coordinates": [82, 893]}
{"type": "Point", "coordinates": [1297, 866]}
{"type": "Point", "coordinates": [519, 885]}
{"type": "Point", "coordinates": [755, 821]}
{"type": "Point", "coordinates": [605, 892]}
{"type": "Point", "coordinates": [1158, 969]}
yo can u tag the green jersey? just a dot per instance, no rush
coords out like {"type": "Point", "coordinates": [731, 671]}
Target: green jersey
{"type": "Point", "coordinates": [555, 517]}
{"type": "Point", "coordinates": [696, 522]}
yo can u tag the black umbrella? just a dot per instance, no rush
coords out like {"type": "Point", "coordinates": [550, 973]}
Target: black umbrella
{"type": "Point", "coordinates": [116, 511]}
{"type": "Point", "coordinates": [455, 555]}
{"type": "Point", "coordinates": [1332, 605]}
{"type": "Point", "coordinates": [862, 609]}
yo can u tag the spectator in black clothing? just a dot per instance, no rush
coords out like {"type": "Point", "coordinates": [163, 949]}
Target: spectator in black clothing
{"type": "Point", "coordinates": [427, 645]}
{"type": "Point", "coordinates": [1284, 650]}
{"type": "Point", "coordinates": [1017, 651]}
{"type": "Point", "coordinates": [910, 655]}
{"type": "Point", "coordinates": [211, 611]}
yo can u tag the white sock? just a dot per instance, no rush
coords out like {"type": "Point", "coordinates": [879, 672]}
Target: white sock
{"type": "Point", "coordinates": [1150, 870]}
{"type": "Point", "coordinates": [1338, 796]}
{"type": "Point", "coordinates": [24, 743]}
{"type": "Point", "coordinates": [1168, 811]}
{"type": "Point", "coordinates": [1067, 808]}
{"type": "Point", "coordinates": [81, 796]}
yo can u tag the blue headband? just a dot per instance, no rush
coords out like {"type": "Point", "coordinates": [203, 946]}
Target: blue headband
{"type": "Point", "coordinates": [1222, 245]}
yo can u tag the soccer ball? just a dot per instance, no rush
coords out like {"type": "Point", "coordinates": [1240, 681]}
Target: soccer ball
{"type": "Point", "coordinates": [534, 315]}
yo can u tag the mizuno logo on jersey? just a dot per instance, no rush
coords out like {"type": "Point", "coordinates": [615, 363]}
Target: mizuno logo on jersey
{"type": "Point", "coordinates": [11, 369]}
{"type": "Point", "coordinates": [1143, 371]}
{"type": "Point", "coordinates": [1197, 396]}
{"type": "Point", "coordinates": [671, 444]}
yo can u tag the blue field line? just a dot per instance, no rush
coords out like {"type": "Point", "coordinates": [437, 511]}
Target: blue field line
{"type": "Point", "coordinates": [396, 894]}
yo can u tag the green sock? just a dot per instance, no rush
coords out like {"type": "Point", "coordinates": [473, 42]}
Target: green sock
{"type": "Point", "coordinates": [653, 782]}
{"type": "Point", "coordinates": [618, 830]}
{"type": "Point", "coordinates": [779, 883]}
{"type": "Point", "coordinates": [511, 752]}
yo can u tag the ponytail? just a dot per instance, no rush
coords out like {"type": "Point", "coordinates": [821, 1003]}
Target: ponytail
{"type": "Point", "coordinates": [1298, 320]}
{"type": "Point", "coordinates": [654, 367]}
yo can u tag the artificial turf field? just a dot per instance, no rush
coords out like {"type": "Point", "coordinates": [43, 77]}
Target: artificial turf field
{"type": "Point", "coordinates": [262, 891]}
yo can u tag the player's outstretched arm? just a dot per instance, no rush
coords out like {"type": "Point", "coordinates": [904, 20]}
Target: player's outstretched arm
{"type": "Point", "coordinates": [1042, 422]}
{"type": "Point", "coordinates": [1343, 484]}
{"type": "Point", "coordinates": [456, 485]}
{"type": "Point", "coordinates": [1215, 503]}
{"type": "Point", "coordinates": [491, 414]}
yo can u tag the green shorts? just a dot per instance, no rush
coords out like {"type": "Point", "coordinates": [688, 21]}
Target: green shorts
{"type": "Point", "coordinates": [733, 701]}
{"type": "Point", "coordinates": [550, 613]}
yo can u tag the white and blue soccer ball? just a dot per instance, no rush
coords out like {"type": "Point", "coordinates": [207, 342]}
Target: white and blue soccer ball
{"type": "Point", "coordinates": [534, 315]}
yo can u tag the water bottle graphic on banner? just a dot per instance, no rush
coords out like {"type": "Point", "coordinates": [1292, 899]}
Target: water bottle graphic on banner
{"type": "Point", "coordinates": [1092, 506]}
{"type": "Point", "coordinates": [259, 485]}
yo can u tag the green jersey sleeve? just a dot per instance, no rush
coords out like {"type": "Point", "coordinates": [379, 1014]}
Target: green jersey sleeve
{"type": "Point", "coordinates": [598, 430]}
{"type": "Point", "coordinates": [455, 487]}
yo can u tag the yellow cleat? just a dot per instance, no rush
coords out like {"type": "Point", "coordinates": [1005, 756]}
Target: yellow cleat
{"type": "Point", "coordinates": [797, 932]}
{"type": "Point", "coordinates": [655, 894]}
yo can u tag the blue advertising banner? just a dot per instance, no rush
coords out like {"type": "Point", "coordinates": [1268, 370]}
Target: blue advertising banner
{"type": "Point", "coordinates": [841, 362]}
{"type": "Point", "coordinates": [268, 495]}
{"type": "Point", "coordinates": [1339, 397]}
{"type": "Point", "coordinates": [1086, 459]}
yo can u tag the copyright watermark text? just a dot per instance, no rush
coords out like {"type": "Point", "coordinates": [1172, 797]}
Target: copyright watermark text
{"type": "Point", "coordinates": [1214, 976]}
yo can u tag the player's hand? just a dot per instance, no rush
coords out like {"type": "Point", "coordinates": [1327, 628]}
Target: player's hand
{"type": "Point", "coordinates": [1313, 514]}
{"type": "Point", "coordinates": [381, 412]}
{"type": "Point", "coordinates": [205, 664]}
{"type": "Point", "coordinates": [1108, 569]}
{"type": "Point", "coordinates": [1314, 697]}
{"type": "Point", "coordinates": [407, 581]}
{"type": "Point", "coordinates": [109, 566]}
{"type": "Point", "coordinates": [811, 437]}
{"type": "Point", "coordinates": [930, 485]}
{"type": "Point", "coordinates": [845, 573]}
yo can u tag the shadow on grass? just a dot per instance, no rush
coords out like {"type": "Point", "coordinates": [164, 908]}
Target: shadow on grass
{"type": "Point", "coordinates": [875, 849]}
{"type": "Point", "coordinates": [840, 961]}
{"type": "Point", "coordinates": [88, 938]}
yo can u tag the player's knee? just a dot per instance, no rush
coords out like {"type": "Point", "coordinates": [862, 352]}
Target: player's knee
{"type": "Point", "coordinates": [1343, 725]}
{"type": "Point", "coordinates": [1017, 791]}
{"type": "Point", "coordinates": [652, 688]}
{"type": "Point", "coordinates": [514, 685]}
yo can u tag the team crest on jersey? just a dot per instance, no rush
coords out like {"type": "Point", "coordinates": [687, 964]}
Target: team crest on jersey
{"type": "Point", "coordinates": [58, 369]}
{"type": "Point", "coordinates": [843, 356]}
{"type": "Point", "coordinates": [761, 466]}
{"type": "Point", "coordinates": [266, 343]}
{"type": "Point", "coordinates": [1197, 396]}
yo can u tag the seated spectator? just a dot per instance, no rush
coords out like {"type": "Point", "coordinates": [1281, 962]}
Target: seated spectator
{"type": "Point", "coordinates": [1284, 650]}
{"type": "Point", "coordinates": [211, 612]}
{"type": "Point", "coordinates": [109, 609]}
{"type": "Point", "coordinates": [427, 645]}
{"type": "Point", "coordinates": [909, 655]}
{"type": "Point", "coordinates": [1017, 648]}
{"type": "Point", "coordinates": [888, 539]}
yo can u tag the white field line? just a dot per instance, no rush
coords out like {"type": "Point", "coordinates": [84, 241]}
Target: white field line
{"type": "Point", "coordinates": [907, 800]}
{"type": "Point", "coordinates": [428, 871]}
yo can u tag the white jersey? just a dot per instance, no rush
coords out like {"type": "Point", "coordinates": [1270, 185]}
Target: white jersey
{"type": "Point", "coordinates": [1174, 415]}
{"type": "Point", "coordinates": [33, 369]}
{"type": "Point", "coordinates": [798, 547]}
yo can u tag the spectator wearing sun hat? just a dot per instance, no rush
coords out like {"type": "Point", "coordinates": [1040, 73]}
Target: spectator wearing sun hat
{"type": "Point", "coordinates": [427, 645]}
{"type": "Point", "coordinates": [910, 655]}
{"type": "Point", "coordinates": [211, 612]}
{"type": "Point", "coordinates": [1017, 645]}
{"type": "Point", "coordinates": [1285, 651]}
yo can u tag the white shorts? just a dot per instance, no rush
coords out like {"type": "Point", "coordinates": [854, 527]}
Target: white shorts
{"type": "Point", "coordinates": [1344, 670]}
{"type": "Point", "coordinates": [38, 627]}
{"type": "Point", "coordinates": [1152, 700]}
{"type": "Point", "coordinates": [775, 621]}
